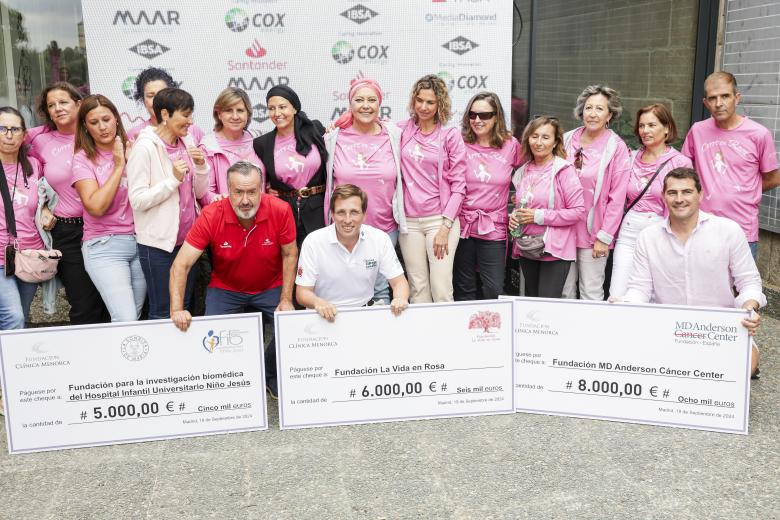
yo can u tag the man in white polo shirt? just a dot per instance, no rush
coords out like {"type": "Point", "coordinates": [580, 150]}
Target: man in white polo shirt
{"type": "Point", "coordinates": [694, 258]}
{"type": "Point", "coordinates": [339, 263]}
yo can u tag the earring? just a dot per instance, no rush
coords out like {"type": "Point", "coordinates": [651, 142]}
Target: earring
{"type": "Point", "coordinates": [607, 125]}
{"type": "Point", "coordinates": [165, 123]}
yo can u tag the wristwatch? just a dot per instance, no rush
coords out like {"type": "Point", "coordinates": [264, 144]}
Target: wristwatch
{"type": "Point", "coordinates": [447, 222]}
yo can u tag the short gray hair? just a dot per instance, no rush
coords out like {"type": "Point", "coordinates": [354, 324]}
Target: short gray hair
{"type": "Point", "coordinates": [244, 168]}
{"type": "Point", "coordinates": [613, 100]}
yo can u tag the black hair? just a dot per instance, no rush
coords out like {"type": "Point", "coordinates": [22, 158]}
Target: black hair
{"type": "Point", "coordinates": [151, 74]}
{"type": "Point", "coordinates": [172, 99]}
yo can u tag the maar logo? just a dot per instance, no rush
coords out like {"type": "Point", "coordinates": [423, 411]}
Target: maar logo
{"type": "Point", "coordinates": [258, 83]}
{"type": "Point", "coordinates": [460, 45]}
{"type": "Point", "coordinates": [359, 14]}
{"type": "Point", "coordinates": [149, 49]}
{"type": "Point", "coordinates": [128, 87]}
{"type": "Point", "coordinates": [142, 17]}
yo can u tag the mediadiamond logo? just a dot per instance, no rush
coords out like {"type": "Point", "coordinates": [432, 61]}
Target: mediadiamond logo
{"type": "Point", "coordinates": [342, 52]}
{"type": "Point", "coordinates": [237, 20]}
{"type": "Point", "coordinates": [128, 87]}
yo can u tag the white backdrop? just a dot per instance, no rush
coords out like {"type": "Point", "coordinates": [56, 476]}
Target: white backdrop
{"type": "Point", "coordinates": [316, 47]}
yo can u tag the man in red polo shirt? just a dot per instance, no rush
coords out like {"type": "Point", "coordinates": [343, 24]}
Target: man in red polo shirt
{"type": "Point", "coordinates": [253, 251]}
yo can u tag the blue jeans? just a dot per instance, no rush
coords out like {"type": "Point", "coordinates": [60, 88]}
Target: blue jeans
{"type": "Point", "coordinates": [15, 299]}
{"type": "Point", "coordinates": [381, 287]}
{"type": "Point", "coordinates": [754, 250]}
{"type": "Point", "coordinates": [222, 301]}
{"type": "Point", "coordinates": [113, 265]}
{"type": "Point", "coordinates": [156, 265]}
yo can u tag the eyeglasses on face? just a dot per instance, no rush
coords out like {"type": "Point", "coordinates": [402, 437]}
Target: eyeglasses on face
{"type": "Point", "coordinates": [483, 116]}
{"type": "Point", "coordinates": [13, 130]}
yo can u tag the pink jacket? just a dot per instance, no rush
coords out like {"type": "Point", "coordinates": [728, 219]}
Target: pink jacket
{"type": "Point", "coordinates": [452, 168]}
{"type": "Point", "coordinates": [219, 163]}
{"type": "Point", "coordinates": [609, 197]}
{"type": "Point", "coordinates": [565, 208]}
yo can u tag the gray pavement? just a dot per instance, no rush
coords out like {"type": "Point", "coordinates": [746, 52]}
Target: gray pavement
{"type": "Point", "coordinates": [516, 466]}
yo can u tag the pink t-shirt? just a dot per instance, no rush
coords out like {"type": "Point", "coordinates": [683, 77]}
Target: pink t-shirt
{"type": "Point", "coordinates": [367, 162]}
{"type": "Point", "coordinates": [488, 177]}
{"type": "Point", "coordinates": [25, 200]}
{"type": "Point", "coordinates": [194, 131]}
{"type": "Point", "coordinates": [730, 164]}
{"type": "Point", "coordinates": [240, 150]}
{"type": "Point", "coordinates": [55, 152]}
{"type": "Point", "coordinates": [291, 167]}
{"type": "Point", "coordinates": [118, 218]}
{"type": "Point", "coordinates": [641, 173]}
{"type": "Point", "coordinates": [420, 167]}
{"type": "Point", "coordinates": [187, 213]}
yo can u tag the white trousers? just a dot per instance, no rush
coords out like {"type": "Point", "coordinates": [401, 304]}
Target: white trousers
{"type": "Point", "coordinates": [430, 279]}
{"type": "Point", "coordinates": [623, 256]}
{"type": "Point", "coordinates": [588, 273]}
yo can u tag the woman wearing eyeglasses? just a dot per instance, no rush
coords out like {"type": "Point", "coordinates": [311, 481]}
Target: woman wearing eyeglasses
{"type": "Point", "coordinates": [433, 164]}
{"type": "Point", "coordinates": [492, 154]}
{"type": "Point", "coordinates": [655, 128]}
{"type": "Point", "coordinates": [549, 205]}
{"type": "Point", "coordinates": [21, 176]}
{"type": "Point", "coordinates": [602, 162]}
{"type": "Point", "coordinates": [364, 151]}
{"type": "Point", "coordinates": [59, 108]}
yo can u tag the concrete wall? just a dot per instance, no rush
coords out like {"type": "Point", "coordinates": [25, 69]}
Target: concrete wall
{"type": "Point", "coordinates": [644, 49]}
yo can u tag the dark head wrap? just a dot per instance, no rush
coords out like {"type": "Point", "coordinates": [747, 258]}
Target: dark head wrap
{"type": "Point", "coordinates": [305, 132]}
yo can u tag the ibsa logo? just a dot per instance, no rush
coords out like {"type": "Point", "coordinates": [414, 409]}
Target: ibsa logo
{"type": "Point", "coordinates": [343, 52]}
{"type": "Point", "coordinates": [149, 49]}
{"type": "Point", "coordinates": [142, 17]}
{"type": "Point", "coordinates": [460, 45]}
{"type": "Point", "coordinates": [237, 20]}
{"type": "Point", "coordinates": [359, 14]}
{"type": "Point", "coordinates": [128, 87]}
{"type": "Point", "coordinates": [465, 82]}
{"type": "Point", "coordinates": [260, 112]}
{"type": "Point", "coordinates": [258, 83]}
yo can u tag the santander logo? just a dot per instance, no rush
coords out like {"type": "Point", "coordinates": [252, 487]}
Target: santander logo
{"type": "Point", "coordinates": [256, 50]}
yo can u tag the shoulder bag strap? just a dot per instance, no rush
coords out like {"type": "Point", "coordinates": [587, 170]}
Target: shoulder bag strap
{"type": "Point", "coordinates": [8, 204]}
{"type": "Point", "coordinates": [647, 187]}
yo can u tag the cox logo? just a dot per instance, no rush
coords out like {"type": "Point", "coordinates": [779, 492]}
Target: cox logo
{"type": "Point", "coordinates": [343, 52]}
{"type": "Point", "coordinates": [463, 82]}
{"type": "Point", "coordinates": [237, 20]}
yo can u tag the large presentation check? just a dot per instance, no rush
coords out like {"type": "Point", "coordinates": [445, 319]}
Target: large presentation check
{"type": "Point", "coordinates": [71, 387]}
{"type": "Point", "coordinates": [434, 360]}
{"type": "Point", "coordinates": [653, 364]}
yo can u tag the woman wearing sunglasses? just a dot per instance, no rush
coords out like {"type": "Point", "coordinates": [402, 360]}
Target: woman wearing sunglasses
{"type": "Point", "coordinates": [433, 164]}
{"type": "Point", "coordinates": [364, 151]}
{"type": "Point", "coordinates": [548, 205]}
{"type": "Point", "coordinates": [492, 154]}
{"type": "Point", "coordinates": [602, 162]}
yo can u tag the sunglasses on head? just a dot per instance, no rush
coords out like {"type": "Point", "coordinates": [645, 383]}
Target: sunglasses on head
{"type": "Point", "coordinates": [483, 116]}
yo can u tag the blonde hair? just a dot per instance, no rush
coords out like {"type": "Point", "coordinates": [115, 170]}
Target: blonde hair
{"type": "Point", "coordinates": [225, 99]}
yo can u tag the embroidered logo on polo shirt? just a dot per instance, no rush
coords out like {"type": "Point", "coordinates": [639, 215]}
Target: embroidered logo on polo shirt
{"type": "Point", "coordinates": [300, 271]}
{"type": "Point", "coordinates": [267, 242]}
{"type": "Point", "coordinates": [225, 245]}
{"type": "Point", "coordinates": [370, 263]}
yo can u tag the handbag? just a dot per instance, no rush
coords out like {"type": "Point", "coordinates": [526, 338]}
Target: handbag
{"type": "Point", "coordinates": [532, 246]}
{"type": "Point", "coordinates": [29, 265]}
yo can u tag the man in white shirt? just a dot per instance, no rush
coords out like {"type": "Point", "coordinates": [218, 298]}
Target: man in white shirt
{"type": "Point", "coordinates": [694, 258]}
{"type": "Point", "coordinates": [339, 263]}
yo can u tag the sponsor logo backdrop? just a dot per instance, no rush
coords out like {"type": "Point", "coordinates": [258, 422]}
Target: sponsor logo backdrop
{"type": "Point", "coordinates": [316, 48]}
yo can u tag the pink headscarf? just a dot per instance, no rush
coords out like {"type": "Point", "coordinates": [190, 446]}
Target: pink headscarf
{"type": "Point", "coordinates": [345, 121]}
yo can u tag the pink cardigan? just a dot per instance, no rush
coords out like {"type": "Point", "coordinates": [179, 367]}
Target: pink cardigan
{"type": "Point", "coordinates": [565, 208]}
